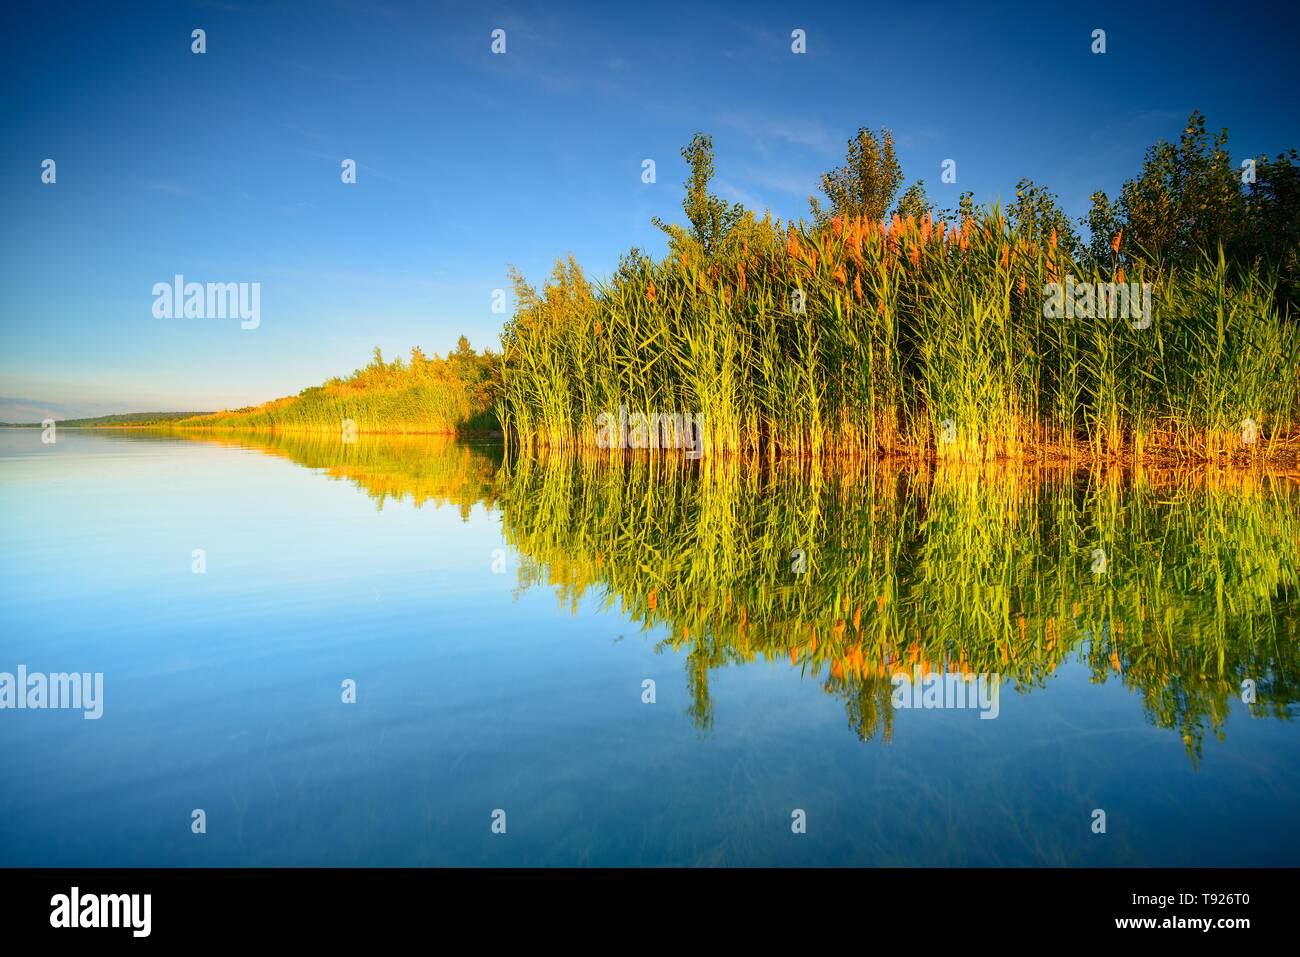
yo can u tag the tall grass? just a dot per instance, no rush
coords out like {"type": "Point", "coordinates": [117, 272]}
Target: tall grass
{"type": "Point", "coordinates": [914, 337]}
{"type": "Point", "coordinates": [420, 395]}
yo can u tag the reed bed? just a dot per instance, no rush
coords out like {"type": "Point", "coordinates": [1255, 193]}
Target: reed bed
{"type": "Point", "coordinates": [859, 339]}
{"type": "Point", "coordinates": [421, 395]}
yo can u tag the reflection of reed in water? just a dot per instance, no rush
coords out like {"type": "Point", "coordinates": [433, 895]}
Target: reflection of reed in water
{"type": "Point", "coordinates": [853, 576]}
{"type": "Point", "coordinates": [427, 468]}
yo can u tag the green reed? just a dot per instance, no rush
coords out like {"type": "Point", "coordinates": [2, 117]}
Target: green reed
{"type": "Point", "coordinates": [860, 339]}
{"type": "Point", "coordinates": [433, 395]}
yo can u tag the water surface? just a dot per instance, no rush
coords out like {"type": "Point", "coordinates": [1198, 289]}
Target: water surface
{"type": "Point", "coordinates": [500, 621]}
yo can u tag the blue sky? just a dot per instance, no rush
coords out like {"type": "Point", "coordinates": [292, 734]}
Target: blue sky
{"type": "Point", "coordinates": [225, 167]}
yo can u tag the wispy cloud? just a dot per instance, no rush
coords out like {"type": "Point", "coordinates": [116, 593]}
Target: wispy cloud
{"type": "Point", "coordinates": [735, 194]}
{"type": "Point", "coordinates": [166, 186]}
{"type": "Point", "coordinates": [796, 184]}
{"type": "Point", "coordinates": [317, 72]}
{"type": "Point", "coordinates": [757, 41]}
{"type": "Point", "coordinates": [369, 8]}
{"type": "Point", "coordinates": [24, 411]}
{"type": "Point", "coordinates": [766, 132]}
{"type": "Point", "coordinates": [1140, 127]}
{"type": "Point", "coordinates": [305, 133]}
{"type": "Point", "coordinates": [551, 55]}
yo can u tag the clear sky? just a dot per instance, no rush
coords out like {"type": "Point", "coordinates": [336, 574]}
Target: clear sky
{"type": "Point", "coordinates": [225, 166]}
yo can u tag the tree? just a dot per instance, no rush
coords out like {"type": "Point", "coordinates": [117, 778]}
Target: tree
{"type": "Point", "coordinates": [964, 211]}
{"type": "Point", "coordinates": [710, 216]}
{"type": "Point", "coordinates": [1189, 199]}
{"type": "Point", "coordinates": [1272, 230]}
{"type": "Point", "coordinates": [1104, 224]}
{"type": "Point", "coordinates": [966, 206]}
{"type": "Point", "coordinates": [866, 184]}
{"type": "Point", "coordinates": [1186, 199]}
{"type": "Point", "coordinates": [914, 202]}
{"type": "Point", "coordinates": [1036, 214]}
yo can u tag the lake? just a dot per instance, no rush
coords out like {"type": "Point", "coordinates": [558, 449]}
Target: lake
{"type": "Point", "coordinates": [388, 652]}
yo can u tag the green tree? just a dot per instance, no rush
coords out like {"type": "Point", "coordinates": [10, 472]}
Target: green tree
{"type": "Point", "coordinates": [1186, 199]}
{"type": "Point", "coordinates": [866, 184]}
{"type": "Point", "coordinates": [1104, 223]}
{"type": "Point", "coordinates": [1271, 236]}
{"type": "Point", "coordinates": [964, 211]}
{"type": "Point", "coordinates": [710, 216]}
{"type": "Point", "coordinates": [1036, 214]}
{"type": "Point", "coordinates": [914, 202]}
{"type": "Point", "coordinates": [1189, 199]}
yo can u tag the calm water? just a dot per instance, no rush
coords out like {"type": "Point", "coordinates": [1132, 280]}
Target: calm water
{"type": "Point", "coordinates": [500, 624]}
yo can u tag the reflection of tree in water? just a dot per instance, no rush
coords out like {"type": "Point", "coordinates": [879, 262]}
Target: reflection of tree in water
{"type": "Point", "coordinates": [698, 667]}
{"type": "Point", "coordinates": [868, 703]}
{"type": "Point", "coordinates": [1193, 703]}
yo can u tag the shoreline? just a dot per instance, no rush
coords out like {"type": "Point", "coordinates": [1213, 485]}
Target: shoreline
{"type": "Point", "coordinates": [1277, 457]}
